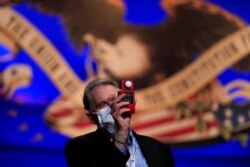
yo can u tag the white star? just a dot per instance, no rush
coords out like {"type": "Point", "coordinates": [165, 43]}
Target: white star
{"type": "Point", "coordinates": [12, 113]}
{"type": "Point", "coordinates": [228, 113]}
{"type": "Point", "coordinates": [241, 119]}
{"type": "Point", "coordinates": [38, 137]}
{"type": "Point", "coordinates": [215, 107]}
{"type": "Point", "coordinates": [228, 123]}
{"type": "Point", "coordinates": [23, 127]}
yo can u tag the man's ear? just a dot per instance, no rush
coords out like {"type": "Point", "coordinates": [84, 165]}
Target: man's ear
{"type": "Point", "coordinates": [93, 118]}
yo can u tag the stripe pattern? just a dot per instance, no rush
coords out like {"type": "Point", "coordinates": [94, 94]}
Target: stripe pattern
{"type": "Point", "coordinates": [160, 124]}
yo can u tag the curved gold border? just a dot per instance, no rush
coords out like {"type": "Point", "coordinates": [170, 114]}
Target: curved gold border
{"type": "Point", "coordinates": [198, 74]}
{"type": "Point", "coordinates": [164, 94]}
{"type": "Point", "coordinates": [42, 52]}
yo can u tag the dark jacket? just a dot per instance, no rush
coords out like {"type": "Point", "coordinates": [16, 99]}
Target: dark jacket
{"type": "Point", "coordinates": [96, 150]}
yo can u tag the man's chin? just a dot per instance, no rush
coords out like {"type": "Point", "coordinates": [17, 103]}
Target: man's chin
{"type": "Point", "coordinates": [110, 128]}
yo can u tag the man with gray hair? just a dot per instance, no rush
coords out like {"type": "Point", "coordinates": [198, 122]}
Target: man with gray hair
{"type": "Point", "coordinates": [114, 143]}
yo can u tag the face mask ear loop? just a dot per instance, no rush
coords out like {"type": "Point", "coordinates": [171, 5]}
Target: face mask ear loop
{"type": "Point", "coordinates": [93, 117]}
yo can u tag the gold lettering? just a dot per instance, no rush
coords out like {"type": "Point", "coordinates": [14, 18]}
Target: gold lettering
{"type": "Point", "coordinates": [246, 39]}
{"type": "Point", "coordinates": [154, 98]}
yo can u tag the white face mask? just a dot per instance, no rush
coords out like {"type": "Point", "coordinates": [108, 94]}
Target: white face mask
{"type": "Point", "coordinates": [106, 120]}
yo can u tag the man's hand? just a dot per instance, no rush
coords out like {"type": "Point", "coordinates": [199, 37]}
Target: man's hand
{"type": "Point", "coordinates": [122, 116]}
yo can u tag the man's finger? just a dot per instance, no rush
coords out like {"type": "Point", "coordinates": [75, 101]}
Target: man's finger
{"type": "Point", "coordinates": [119, 98]}
{"type": "Point", "coordinates": [121, 104]}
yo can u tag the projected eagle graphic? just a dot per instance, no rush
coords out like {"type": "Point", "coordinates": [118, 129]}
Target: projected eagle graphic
{"type": "Point", "coordinates": [151, 55]}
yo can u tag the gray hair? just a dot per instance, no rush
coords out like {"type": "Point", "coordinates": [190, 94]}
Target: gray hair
{"type": "Point", "coordinates": [91, 85]}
